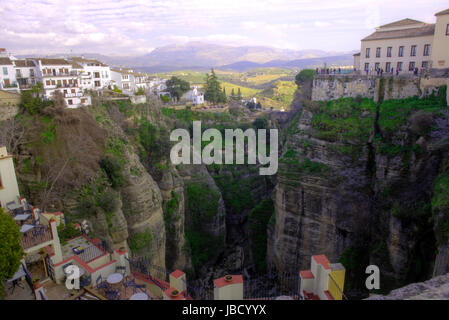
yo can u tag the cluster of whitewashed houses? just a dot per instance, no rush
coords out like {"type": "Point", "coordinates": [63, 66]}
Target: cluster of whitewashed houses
{"type": "Point", "coordinates": [74, 77]}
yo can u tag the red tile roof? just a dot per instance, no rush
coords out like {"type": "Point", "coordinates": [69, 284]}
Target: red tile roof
{"type": "Point", "coordinates": [221, 282]}
{"type": "Point", "coordinates": [306, 274]}
{"type": "Point", "coordinates": [442, 12]}
{"type": "Point", "coordinates": [177, 273]}
{"type": "Point", "coordinates": [322, 259]}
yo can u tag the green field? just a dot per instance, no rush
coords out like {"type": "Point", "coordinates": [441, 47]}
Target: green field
{"type": "Point", "coordinates": [260, 83]}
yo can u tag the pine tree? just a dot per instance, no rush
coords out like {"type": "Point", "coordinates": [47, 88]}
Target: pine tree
{"type": "Point", "coordinates": [232, 94]}
{"type": "Point", "coordinates": [239, 94]}
{"type": "Point", "coordinates": [213, 91]}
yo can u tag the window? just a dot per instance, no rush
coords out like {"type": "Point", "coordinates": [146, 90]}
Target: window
{"type": "Point", "coordinates": [378, 52]}
{"type": "Point", "coordinates": [97, 74]}
{"type": "Point", "coordinates": [48, 82]}
{"type": "Point", "coordinates": [97, 83]}
{"type": "Point", "coordinates": [366, 66]}
{"type": "Point", "coordinates": [377, 66]}
{"type": "Point", "coordinates": [44, 71]}
{"type": "Point", "coordinates": [31, 73]}
{"type": "Point", "coordinates": [388, 67]}
{"type": "Point", "coordinates": [367, 52]}
{"type": "Point", "coordinates": [73, 91]}
{"type": "Point", "coordinates": [412, 51]}
{"type": "Point", "coordinates": [411, 66]}
{"type": "Point", "coordinates": [399, 66]}
{"type": "Point", "coordinates": [427, 50]}
{"type": "Point", "coordinates": [5, 71]}
{"type": "Point", "coordinates": [70, 101]}
{"type": "Point", "coordinates": [425, 64]}
{"type": "Point", "coordinates": [447, 30]}
{"type": "Point", "coordinates": [401, 51]}
{"type": "Point", "coordinates": [389, 49]}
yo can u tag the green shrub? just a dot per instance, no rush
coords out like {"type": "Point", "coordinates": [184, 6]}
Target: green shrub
{"type": "Point", "coordinates": [113, 168]}
{"type": "Point", "coordinates": [67, 232]}
{"type": "Point", "coordinates": [140, 241]}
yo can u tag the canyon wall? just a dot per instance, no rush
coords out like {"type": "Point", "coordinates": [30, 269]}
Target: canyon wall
{"type": "Point", "coordinates": [330, 87]}
{"type": "Point", "coordinates": [356, 185]}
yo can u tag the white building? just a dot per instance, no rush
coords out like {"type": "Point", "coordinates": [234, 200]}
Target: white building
{"type": "Point", "coordinates": [9, 189]}
{"type": "Point", "coordinates": [59, 75]}
{"type": "Point", "coordinates": [194, 96]}
{"type": "Point", "coordinates": [26, 73]}
{"type": "Point", "coordinates": [8, 79]}
{"type": "Point", "coordinates": [124, 80]}
{"type": "Point", "coordinates": [96, 74]}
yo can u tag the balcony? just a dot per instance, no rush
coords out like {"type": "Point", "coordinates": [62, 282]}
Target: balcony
{"type": "Point", "coordinates": [73, 95]}
{"type": "Point", "coordinates": [60, 74]}
{"type": "Point", "coordinates": [35, 236]}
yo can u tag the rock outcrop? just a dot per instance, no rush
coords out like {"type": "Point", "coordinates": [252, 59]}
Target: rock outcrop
{"type": "Point", "coordinates": [434, 289]}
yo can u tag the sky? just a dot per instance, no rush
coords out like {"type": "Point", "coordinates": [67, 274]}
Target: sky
{"type": "Point", "coordinates": [136, 27]}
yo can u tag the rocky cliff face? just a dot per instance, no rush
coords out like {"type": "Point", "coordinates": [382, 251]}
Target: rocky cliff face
{"type": "Point", "coordinates": [434, 289]}
{"type": "Point", "coordinates": [355, 183]}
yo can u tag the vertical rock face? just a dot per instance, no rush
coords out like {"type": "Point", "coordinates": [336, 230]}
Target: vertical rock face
{"type": "Point", "coordinates": [346, 182]}
{"type": "Point", "coordinates": [142, 206]}
{"type": "Point", "coordinates": [172, 191]}
{"type": "Point", "coordinates": [315, 212]}
{"type": "Point", "coordinates": [214, 225]}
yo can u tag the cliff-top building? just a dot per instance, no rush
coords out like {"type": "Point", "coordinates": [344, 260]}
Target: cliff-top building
{"type": "Point", "coordinates": [406, 45]}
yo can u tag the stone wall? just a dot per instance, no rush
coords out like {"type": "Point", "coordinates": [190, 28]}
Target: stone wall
{"type": "Point", "coordinates": [329, 87]}
{"type": "Point", "coordinates": [9, 104]}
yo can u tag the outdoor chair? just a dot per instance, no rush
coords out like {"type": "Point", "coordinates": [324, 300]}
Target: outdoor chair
{"type": "Point", "coordinates": [18, 211]}
{"type": "Point", "coordinates": [8, 204]}
{"type": "Point", "coordinates": [130, 283]}
{"type": "Point", "coordinates": [112, 295]}
{"type": "Point", "coordinates": [142, 287]}
{"type": "Point", "coordinates": [121, 270]}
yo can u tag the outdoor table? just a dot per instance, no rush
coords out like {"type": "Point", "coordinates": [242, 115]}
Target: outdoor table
{"type": "Point", "coordinates": [14, 206]}
{"type": "Point", "coordinates": [26, 227]}
{"type": "Point", "coordinates": [21, 217]}
{"type": "Point", "coordinates": [114, 279]}
{"type": "Point", "coordinates": [139, 296]}
{"type": "Point", "coordinates": [15, 279]}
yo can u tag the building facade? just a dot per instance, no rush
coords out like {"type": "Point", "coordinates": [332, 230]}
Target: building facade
{"type": "Point", "coordinates": [96, 74]}
{"type": "Point", "coordinates": [58, 75]}
{"type": "Point", "coordinates": [406, 46]}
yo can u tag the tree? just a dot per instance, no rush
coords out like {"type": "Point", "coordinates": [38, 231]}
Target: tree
{"type": "Point", "coordinates": [213, 92]}
{"type": "Point", "coordinates": [239, 94]}
{"type": "Point", "coordinates": [177, 87]}
{"type": "Point", "coordinates": [232, 94]}
{"type": "Point", "coordinates": [304, 75]}
{"type": "Point", "coordinates": [11, 251]}
{"type": "Point", "coordinates": [140, 91]}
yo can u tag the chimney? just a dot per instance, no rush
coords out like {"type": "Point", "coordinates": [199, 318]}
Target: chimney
{"type": "Point", "coordinates": [229, 287]}
{"type": "Point", "coordinates": [178, 280]}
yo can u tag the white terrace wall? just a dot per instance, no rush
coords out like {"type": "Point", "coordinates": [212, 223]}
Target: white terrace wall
{"type": "Point", "coordinates": [330, 87]}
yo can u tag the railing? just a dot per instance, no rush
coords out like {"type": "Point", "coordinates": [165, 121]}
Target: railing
{"type": "Point", "coordinates": [60, 74]}
{"type": "Point", "coordinates": [35, 236]}
{"type": "Point", "coordinates": [73, 95]}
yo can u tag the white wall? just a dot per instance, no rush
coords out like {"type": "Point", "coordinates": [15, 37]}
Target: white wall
{"type": "Point", "coordinates": [9, 190]}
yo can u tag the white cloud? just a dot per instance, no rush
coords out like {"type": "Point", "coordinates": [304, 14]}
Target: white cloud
{"type": "Point", "coordinates": [136, 26]}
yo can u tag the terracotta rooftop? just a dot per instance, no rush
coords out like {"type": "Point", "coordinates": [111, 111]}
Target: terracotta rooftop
{"type": "Point", "coordinates": [5, 61]}
{"type": "Point", "coordinates": [426, 30]}
{"type": "Point", "coordinates": [441, 13]}
{"type": "Point", "coordinates": [24, 63]}
{"type": "Point", "coordinates": [221, 282]}
{"type": "Point", "coordinates": [177, 273]}
{"type": "Point", "coordinates": [306, 274]}
{"type": "Point", "coordinates": [356, 54]}
{"type": "Point", "coordinates": [322, 259]}
{"type": "Point", "coordinates": [76, 65]}
{"type": "Point", "coordinates": [401, 23]}
{"type": "Point", "coordinates": [53, 61]}
{"type": "Point", "coordinates": [83, 60]}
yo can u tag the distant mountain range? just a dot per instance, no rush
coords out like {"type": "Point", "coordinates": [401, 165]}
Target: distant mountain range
{"type": "Point", "coordinates": [200, 55]}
